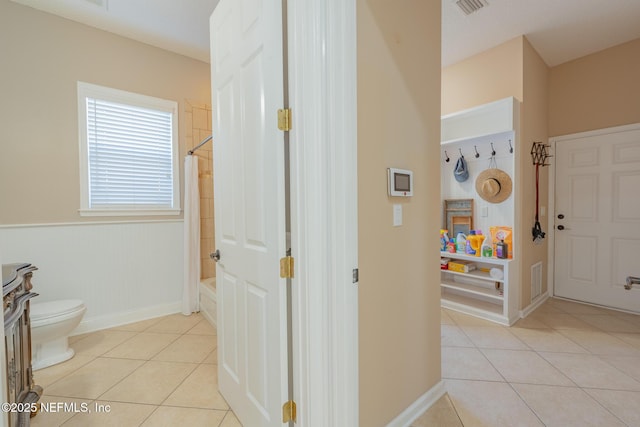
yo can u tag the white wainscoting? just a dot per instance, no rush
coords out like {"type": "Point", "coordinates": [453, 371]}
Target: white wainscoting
{"type": "Point", "coordinates": [123, 271]}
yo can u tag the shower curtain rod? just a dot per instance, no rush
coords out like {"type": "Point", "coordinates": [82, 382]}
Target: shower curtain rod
{"type": "Point", "coordinates": [204, 141]}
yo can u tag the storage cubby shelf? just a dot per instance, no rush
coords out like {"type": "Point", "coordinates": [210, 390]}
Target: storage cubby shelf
{"type": "Point", "coordinates": [474, 293]}
{"type": "Point", "coordinates": [474, 290]}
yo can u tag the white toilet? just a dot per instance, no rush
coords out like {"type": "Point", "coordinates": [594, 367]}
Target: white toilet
{"type": "Point", "coordinates": [51, 324]}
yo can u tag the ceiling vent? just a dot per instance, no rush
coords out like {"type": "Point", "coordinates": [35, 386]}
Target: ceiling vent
{"type": "Point", "coordinates": [471, 6]}
{"type": "Point", "coordinates": [101, 3]}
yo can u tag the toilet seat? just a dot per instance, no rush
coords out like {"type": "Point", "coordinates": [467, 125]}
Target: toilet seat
{"type": "Point", "coordinates": [51, 309]}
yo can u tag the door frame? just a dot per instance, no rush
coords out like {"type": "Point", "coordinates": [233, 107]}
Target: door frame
{"type": "Point", "coordinates": [553, 141]}
{"type": "Point", "coordinates": [322, 78]}
{"type": "Point", "coordinates": [4, 416]}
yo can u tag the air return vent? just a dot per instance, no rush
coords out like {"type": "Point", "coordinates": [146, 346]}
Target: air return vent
{"type": "Point", "coordinates": [101, 3]}
{"type": "Point", "coordinates": [471, 6]}
{"type": "Point", "coordinates": [536, 280]}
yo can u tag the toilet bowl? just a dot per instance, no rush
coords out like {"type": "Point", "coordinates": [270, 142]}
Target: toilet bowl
{"type": "Point", "coordinates": [51, 324]}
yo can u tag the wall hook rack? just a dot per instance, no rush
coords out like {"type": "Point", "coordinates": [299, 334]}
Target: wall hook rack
{"type": "Point", "coordinates": [510, 147]}
{"type": "Point", "coordinates": [446, 157]}
{"type": "Point", "coordinates": [475, 147]}
{"type": "Point", "coordinates": [460, 150]}
{"type": "Point", "coordinates": [540, 154]}
{"type": "Point", "coordinates": [493, 150]}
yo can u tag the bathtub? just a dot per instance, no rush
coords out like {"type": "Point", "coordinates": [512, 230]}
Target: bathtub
{"type": "Point", "coordinates": [208, 299]}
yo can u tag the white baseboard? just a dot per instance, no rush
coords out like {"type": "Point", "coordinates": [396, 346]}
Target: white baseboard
{"type": "Point", "coordinates": [419, 407]}
{"type": "Point", "coordinates": [535, 304]}
{"type": "Point", "coordinates": [117, 319]}
{"type": "Point", "coordinates": [208, 301]}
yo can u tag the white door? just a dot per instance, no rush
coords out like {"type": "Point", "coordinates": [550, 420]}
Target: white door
{"type": "Point", "coordinates": [597, 217]}
{"type": "Point", "coordinates": [249, 167]}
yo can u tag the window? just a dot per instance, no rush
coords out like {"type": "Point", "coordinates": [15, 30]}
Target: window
{"type": "Point", "coordinates": [128, 153]}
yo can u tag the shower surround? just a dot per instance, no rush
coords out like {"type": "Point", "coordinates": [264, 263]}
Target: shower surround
{"type": "Point", "coordinates": [198, 127]}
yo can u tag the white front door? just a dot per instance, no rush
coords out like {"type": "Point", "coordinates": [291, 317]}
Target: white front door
{"type": "Point", "coordinates": [249, 168]}
{"type": "Point", "coordinates": [597, 217]}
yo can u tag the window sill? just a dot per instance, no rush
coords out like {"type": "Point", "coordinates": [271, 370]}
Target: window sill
{"type": "Point", "coordinates": [128, 212]}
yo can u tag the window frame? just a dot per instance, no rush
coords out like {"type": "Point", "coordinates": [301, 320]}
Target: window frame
{"type": "Point", "coordinates": [88, 90]}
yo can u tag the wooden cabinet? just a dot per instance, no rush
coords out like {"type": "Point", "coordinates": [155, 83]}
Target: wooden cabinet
{"type": "Point", "coordinates": [477, 292]}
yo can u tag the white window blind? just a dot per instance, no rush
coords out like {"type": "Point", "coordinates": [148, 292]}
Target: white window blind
{"type": "Point", "coordinates": [130, 153]}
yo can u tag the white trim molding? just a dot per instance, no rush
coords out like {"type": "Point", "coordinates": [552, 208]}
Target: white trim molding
{"type": "Point", "coordinates": [322, 89]}
{"type": "Point", "coordinates": [124, 318]}
{"type": "Point", "coordinates": [534, 304]}
{"type": "Point", "coordinates": [419, 407]}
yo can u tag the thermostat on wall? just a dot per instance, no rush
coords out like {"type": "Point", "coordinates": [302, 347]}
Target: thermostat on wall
{"type": "Point", "coordinates": [400, 182]}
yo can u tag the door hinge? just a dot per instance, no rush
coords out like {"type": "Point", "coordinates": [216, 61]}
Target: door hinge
{"type": "Point", "coordinates": [356, 275]}
{"type": "Point", "coordinates": [289, 411]}
{"type": "Point", "coordinates": [286, 267]}
{"type": "Point", "coordinates": [284, 119]}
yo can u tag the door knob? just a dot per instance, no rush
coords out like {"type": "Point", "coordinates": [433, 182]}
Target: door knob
{"type": "Point", "coordinates": [561, 227]}
{"type": "Point", "coordinates": [215, 255]}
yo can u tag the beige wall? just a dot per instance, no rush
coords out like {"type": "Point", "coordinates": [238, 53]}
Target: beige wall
{"type": "Point", "coordinates": [398, 126]}
{"type": "Point", "coordinates": [513, 69]}
{"type": "Point", "coordinates": [486, 77]}
{"type": "Point", "coordinates": [596, 91]}
{"type": "Point", "coordinates": [533, 115]}
{"type": "Point", "coordinates": [43, 56]}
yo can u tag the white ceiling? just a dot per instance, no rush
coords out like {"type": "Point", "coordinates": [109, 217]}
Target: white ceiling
{"type": "Point", "coordinates": [560, 30]}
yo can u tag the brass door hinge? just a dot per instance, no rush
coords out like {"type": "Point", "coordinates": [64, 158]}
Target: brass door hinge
{"type": "Point", "coordinates": [286, 267]}
{"type": "Point", "coordinates": [289, 411]}
{"type": "Point", "coordinates": [284, 119]}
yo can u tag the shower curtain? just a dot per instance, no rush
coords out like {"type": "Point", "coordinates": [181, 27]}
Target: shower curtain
{"type": "Point", "coordinates": [190, 294]}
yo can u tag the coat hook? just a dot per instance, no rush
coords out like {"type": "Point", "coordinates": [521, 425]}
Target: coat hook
{"type": "Point", "coordinates": [475, 147]}
{"type": "Point", "coordinates": [460, 150]}
{"type": "Point", "coordinates": [493, 150]}
{"type": "Point", "coordinates": [446, 156]}
{"type": "Point", "coordinates": [510, 147]}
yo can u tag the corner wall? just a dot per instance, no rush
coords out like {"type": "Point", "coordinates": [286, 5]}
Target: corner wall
{"type": "Point", "coordinates": [124, 269]}
{"type": "Point", "coordinates": [596, 91]}
{"type": "Point", "coordinates": [534, 128]}
{"type": "Point", "coordinates": [398, 126]}
{"type": "Point", "coordinates": [43, 58]}
{"type": "Point", "coordinates": [489, 76]}
{"type": "Point", "coordinates": [515, 69]}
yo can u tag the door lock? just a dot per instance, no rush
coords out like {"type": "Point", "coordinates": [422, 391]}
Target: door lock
{"type": "Point", "coordinates": [561, 227]}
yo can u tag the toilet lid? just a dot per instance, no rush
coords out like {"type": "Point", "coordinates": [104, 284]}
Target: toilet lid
{"type": "Point", "coordinates": [43, 310]}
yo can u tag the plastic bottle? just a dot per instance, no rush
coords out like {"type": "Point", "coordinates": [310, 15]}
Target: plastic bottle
{"type": "Point", "coordinates": [461, 243]}
{"type": "Point", "coordinates": [451, 246]}
{"type": "Point", "coordinates": [444, 240]}
{"type": "Point", "coordinates": [502, 250]}
{"type": "Point", "coordinates": [487, 247]}
{"type": "Point", "coordinates": [469, 249]}
{"type": "Point", "coordinates": [475, 243]}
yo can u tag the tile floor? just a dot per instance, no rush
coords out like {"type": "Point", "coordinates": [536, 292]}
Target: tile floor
{"type": "Point", "coordinates": [565, 365]}
{"type": "Point", "coordinates": [147, 374]}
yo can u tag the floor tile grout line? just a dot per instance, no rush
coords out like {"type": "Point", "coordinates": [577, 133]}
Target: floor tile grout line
{"type": "Point", "coordinates": [590, 352]}
{"type": "Point", "coordinates": [35, 373]}
{"type": "Point", "coordinates": [94, 357]}
{"type": "Point", "coordinates": [592, 328]}
{"type": "Point", "coordinates": [533, 411]}
{"type": "Point", "coordinates": [603, 407]}
{"type": "Point", "coordinates": [534, 352]}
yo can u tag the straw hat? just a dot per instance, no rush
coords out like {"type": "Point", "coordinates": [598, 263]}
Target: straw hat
{"type": "Point", "coordinates": [493, 185]}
